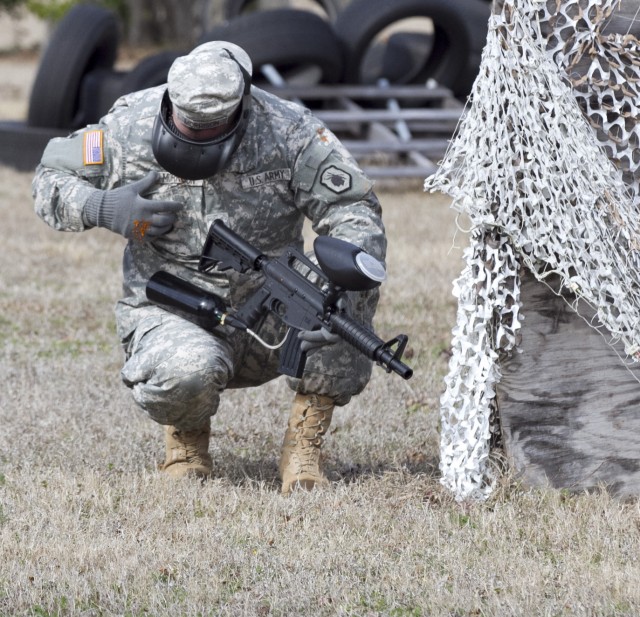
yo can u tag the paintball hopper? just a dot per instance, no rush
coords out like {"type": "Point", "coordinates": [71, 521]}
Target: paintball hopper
{"type": "Point", "coordinates": [347, 265]}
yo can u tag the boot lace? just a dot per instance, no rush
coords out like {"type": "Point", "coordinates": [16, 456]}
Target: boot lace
{"type": "Point", "coordinates": [310, 436]}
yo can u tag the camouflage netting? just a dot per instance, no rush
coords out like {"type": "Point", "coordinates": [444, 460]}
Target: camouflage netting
{"type": "Point", "coordinates": [604, 73]}
{"type": "Point", "coordinates": [543, 190]}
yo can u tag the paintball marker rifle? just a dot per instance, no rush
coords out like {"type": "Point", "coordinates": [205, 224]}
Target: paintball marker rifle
{"type": "Point", "coordinates": [288, 291]}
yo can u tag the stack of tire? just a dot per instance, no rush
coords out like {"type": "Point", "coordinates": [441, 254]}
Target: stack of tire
{"type": "Point", "coordinates": [344, 41]}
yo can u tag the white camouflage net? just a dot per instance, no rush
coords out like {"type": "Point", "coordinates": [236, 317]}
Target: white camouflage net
{"type": "Point", "coordinates": [526, 168]}
{"type": "Point", "coordinates": [604, 73]}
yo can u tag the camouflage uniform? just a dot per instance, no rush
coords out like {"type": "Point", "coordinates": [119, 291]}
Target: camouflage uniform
{"type": "Point", "coordinates": [289, 166]}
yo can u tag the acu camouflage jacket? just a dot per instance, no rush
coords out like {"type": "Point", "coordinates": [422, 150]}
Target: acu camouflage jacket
{"type": "Point", "coordinates": [288, 167]}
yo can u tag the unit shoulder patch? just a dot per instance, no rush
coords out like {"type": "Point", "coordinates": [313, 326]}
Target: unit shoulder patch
{"type": "Point", "coordinates": [335, 179]}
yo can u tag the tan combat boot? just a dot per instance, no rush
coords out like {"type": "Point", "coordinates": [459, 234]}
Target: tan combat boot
{"type": "Point", "coordinates": [187, 452]}
{"type": "Point", "coordinates": [300, 460]}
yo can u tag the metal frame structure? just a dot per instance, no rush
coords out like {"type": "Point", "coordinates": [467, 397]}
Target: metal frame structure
{"type": "Point", "coordinates": [394, 131]}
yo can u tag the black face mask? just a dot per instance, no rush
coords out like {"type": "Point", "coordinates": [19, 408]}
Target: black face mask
{"type": "Point", "coordinates": [197, 160]}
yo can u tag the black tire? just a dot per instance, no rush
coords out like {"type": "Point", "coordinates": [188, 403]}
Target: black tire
{"type": "Point", "coordinates": [235, 8]}
{"type": "Point", "coordinates": [400, 60]}
{"type": "Point", "coordinates": [86, 39]}
{"type": "Point", "coordinates": [99, 90]}
{"type": "Point", "coordinates": [295, 42]}
{"type": "Point", "coordinates": [477, 14]}
{"type": "Point", "coordinates": [456, 27]}
{"type": "Point", "coordinates": [21, 146]}
{"type": "Point", "coordinates": [150, 71]}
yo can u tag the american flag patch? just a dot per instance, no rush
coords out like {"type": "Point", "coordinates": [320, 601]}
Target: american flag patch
{"type": "Point", "coordinates": [92, 153]}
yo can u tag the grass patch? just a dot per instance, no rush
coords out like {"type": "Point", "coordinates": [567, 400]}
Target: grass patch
{"type": "Point", "coordinates": [89, 527]}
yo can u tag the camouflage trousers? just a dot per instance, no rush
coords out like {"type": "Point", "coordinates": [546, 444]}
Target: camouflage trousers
{"type": "Point", "coordinates": [177, 371]}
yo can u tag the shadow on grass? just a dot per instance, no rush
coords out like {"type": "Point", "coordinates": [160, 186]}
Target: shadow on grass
{"type": "Point", "coordinates": [241, 470]}
{"type": "Point", "coordinates": [424, 467]}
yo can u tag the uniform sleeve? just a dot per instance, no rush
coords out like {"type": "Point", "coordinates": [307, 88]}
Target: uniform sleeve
{"type": "Point", "coordinates": [71, 169]}
{"type": "Point", "coordinates": [335, 194]}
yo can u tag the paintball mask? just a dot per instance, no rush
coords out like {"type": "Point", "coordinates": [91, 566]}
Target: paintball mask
{"type": "Point", "coordinates": [196, 160]}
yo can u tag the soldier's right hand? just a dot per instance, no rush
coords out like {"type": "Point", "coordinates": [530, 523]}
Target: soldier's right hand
{"type": "Point", "coordinates": [125, 211]}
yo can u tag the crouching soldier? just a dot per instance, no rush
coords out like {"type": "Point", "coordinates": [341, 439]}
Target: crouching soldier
{"type": "Point", "coordinates": [158, 169]}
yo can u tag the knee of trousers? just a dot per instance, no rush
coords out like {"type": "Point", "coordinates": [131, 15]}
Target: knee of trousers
{"type": "Point", "coordinates": [183, 392]}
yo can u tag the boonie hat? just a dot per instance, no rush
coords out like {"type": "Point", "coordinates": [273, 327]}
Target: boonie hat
{"type": "Point", "coordinates": [206, 85]}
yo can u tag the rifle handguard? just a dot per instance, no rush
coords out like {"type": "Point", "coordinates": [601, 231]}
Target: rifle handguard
{"type": "Point", "coordinates": [371, 345]}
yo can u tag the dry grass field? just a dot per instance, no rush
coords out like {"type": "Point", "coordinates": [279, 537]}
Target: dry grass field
{"type": "Point", "coordinates": [88, 527]}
